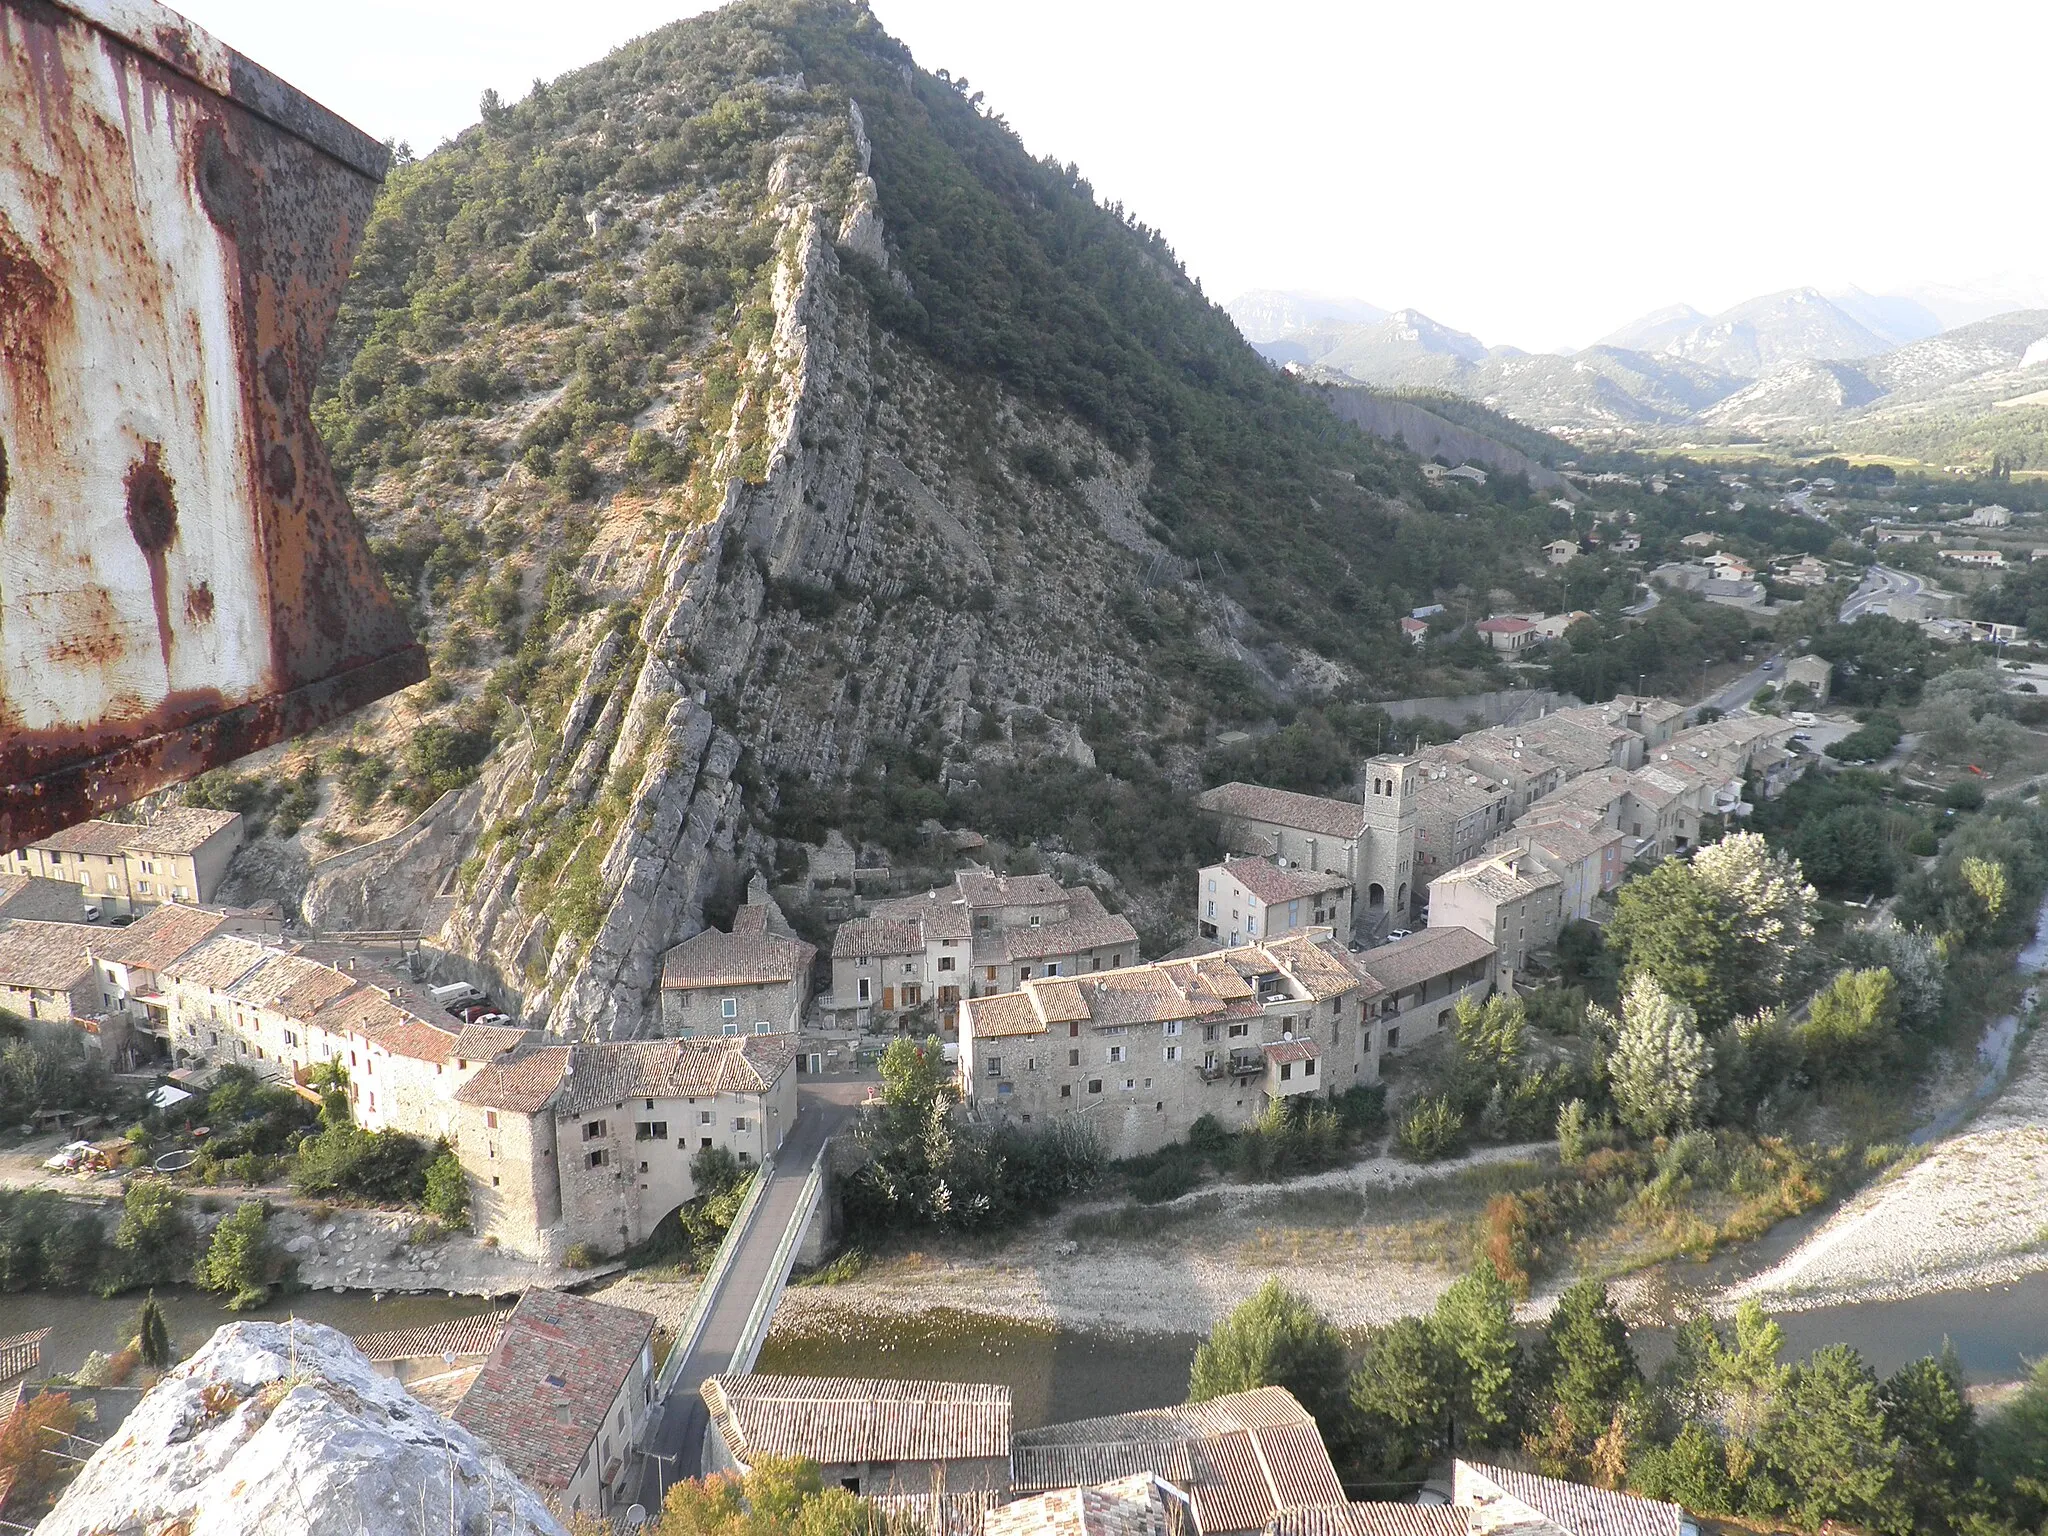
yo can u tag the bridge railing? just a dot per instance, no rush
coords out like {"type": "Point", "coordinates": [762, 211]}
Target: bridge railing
{"type": "Point", "coordinates": [707, 1293]}
{"type": "Point", "coordinates": [755, 1333]}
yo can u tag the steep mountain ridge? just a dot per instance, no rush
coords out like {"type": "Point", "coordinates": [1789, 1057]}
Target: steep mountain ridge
{"type": "Point", "coordinates": [752, 422]}
{"type": "Point", "coordinates": [1262, 314]}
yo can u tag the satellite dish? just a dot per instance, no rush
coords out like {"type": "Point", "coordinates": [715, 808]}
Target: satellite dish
{"type": "Point", "coordinates": [635, 1517]}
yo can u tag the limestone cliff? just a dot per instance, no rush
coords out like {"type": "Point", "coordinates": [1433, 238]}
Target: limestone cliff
{"type": "Point", "coordinates": [275, 1427]}
{"type": "Point", "coordinates": [771, 415]}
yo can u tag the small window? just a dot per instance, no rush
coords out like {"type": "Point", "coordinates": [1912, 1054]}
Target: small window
{"type": "Point", "coordinates": [1095, 1085]}
{"type": "Point", "coordinates": [1308, 1068]}
{"type": "Point", "coordinates": [1394, 1037]}
{"type": "Point", "coordinates": [650, 1130]}
{"type": "Point", "coordinates": [705, 1117]}
{"type": "Point", "coordinates": [995, 1066]}
{"type": "Point", "coordinates": [1003, 1089]}
{"type": "Point", "coordinates": [1116, 1053]}
{"type": "Point", "coordinates": [1066, 1090]}
{"type": "Point", "coordinates": [729, 1008]}
{"type": "Point", "coordinates": [1170, 1028]}
{"type": "Point", "coordinates": [1052, 968]}
{"type": "Point", "coordinates": [1173, 1053]}
{"type": "Point", "coordinates": [597, 1159]}
{"type": "Point", "coordinates": [494, 1181]}
{"type": "Point", "coordinates": [739, 1122]}
{"type": "Point", "coordinates": [593, 1130]}
{"type": "Point", "coordinates": [1130, 1084]}
{"type": "Point", "coordinates": [1286, 1071]}
{"type": "Point", "coordinates": [491, 1118]}
{"type": "Point", "coordinates": [863, 995]}
{"type": "Point", "coordinates": [1239, 1031]}
{"type": "Point", "coordinates": [1073, 1058]}
{"type": "Point", "coordinates": [945, 962]}
{"type": "Point", "coordinates": [1023, 973]}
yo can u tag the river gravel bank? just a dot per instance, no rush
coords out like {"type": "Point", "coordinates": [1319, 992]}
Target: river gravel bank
{"type": "Point", "coordinates": [1972, 1212]}
{"type": "Point", "coordinates": [1180, 1279]}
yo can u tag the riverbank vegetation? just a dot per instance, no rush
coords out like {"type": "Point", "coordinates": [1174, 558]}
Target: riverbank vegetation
{"type": "Point", "coordinates": [1725, 1428]}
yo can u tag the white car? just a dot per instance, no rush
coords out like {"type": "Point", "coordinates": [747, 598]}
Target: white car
{"type": "Point", "coordinates": [1399, 933]}
{"type": "Point", "coordinates": [1803, 717]}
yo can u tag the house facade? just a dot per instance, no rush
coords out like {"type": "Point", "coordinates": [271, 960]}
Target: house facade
{"type": "Point", "coordinates": [1138, 1055]}
{"type": "Point", "coordinates": [1245, 898]}
{"type": "Point", "coordinates": [593, 1143]}
{"type": "Point", "coordinates": [122, 868]}
{"type": "Point", "coordinates": [748, 981]}
{"type": "Point", "coordinates": [1507, 899]}
{"type": "Point", "coordinates": [1417, 984]}
{"type": "Point", "coordinates": [45, 973]}
{"type": "Point", "coordinates": [984, 934]}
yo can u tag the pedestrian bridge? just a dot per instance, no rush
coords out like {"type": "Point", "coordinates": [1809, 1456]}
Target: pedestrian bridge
{"type": "Point", "coordinates": [736, 1303]}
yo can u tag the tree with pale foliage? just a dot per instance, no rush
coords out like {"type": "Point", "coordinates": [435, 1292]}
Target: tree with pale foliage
{"type": "Point", "coordinates": [1659, 1072]}
{"type": "Point", "coordinates": [1768, 903]}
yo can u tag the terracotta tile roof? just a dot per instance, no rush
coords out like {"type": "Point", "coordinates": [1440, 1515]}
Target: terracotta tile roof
{"type": "Point", "coordinates": [744, 957]}
{"type": "Point", "coordinates": [1303, 1049]}
{"type": "Point", "coordinates": [610, 1072]}
{"type": "Point", "coordinates": [178, 829]}
{"type": "Point", "coordinates": [1503, 626]}
{"type": "Point", "coordinates": [557, 1368]}
{"type": "Point", "coordinates": [1091, 927]}
{"type": "Point", "coordinates": [985, 888]}
{"type": "Point", "coordinates": [476, 1335]}
{"type": "Point", "coordinates": [481, 1042]}
{"type": "Point", "coordinates": [1501, 876]}
{"type": "Point", "coordinates": [291, 985]}
{"type": "Point", "coordinates": [394, 1023]}
{"type": "Point", "coordinates": [833, 1420]}
{"type": "Point", "coordinates": [218, 963]}
{"type": "Point", "coordinates": [1431, 953]}
{"type": "Point", "coordinates": [1571, 1507]}
{"type": "Point", "coordinates": [937, 914]}
{"type": "Point", "coordinates": [522, 1083]}
{"type": "Point", "coordinates": [40, 900]}
{"type": "Point", "coordinates": [46, 957]}
{"type": "Point", "coordinates": [100, 838]}
{"type": "Point", "coordinates": [1316, 965]}
{"type": "Point", "coordinates": [181, 829]}
{"type": "Point", "coordinates": [1130, 1506]}
{"type": "Point", "coordinates": [158, 937]}
{"type": "Point", "coordinates": [1561, 840]}
{"type": "Point", "coordinates": [945, 1514]}
{"type": "Point", "coordinates": [1371, 1520]}
{"type": "Point", "coordinates": [1247, 1456]}
{"type": "Point", "coordinates": [1270, 883]}
{"type": "Point", "coordinates": [874, 937]}
{"type": "Point", "coordinates": [1284, 808]}
{"type": "Point", "coordinates": [1001, 1017]}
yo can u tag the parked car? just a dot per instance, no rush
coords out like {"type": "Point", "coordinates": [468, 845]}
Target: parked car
{"type": "Point", "coordinates": [1399, 933]}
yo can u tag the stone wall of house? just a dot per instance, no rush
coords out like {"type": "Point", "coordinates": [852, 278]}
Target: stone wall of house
{"type": "Point", "coordinates": [700, 1011]}
{"type": "Point", "coordinates": [515, 1192]}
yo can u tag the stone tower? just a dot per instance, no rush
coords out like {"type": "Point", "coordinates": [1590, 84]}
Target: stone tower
{"type": "Point", "coordinates": [1388, 861]}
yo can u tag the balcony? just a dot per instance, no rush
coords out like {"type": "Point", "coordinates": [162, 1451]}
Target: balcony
{"type": "Point", "coordinates": [1247, 1063]}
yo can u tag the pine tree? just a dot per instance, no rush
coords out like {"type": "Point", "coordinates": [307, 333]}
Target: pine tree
{"type": "Point", "coordinates": [1591, 1366]}
{"type": "Point", "coordinates": [1474, 1324]}
{"type": "Point", "coordinates": [1276, 1339]}
{"type": "Point", "coordinates": [153, 1335]}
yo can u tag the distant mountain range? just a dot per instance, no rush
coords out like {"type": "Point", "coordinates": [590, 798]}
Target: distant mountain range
{"type": "Point", "coordinates": [1855, 369]}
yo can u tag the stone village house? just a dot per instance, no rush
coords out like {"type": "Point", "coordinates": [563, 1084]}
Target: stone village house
{"type": "Point", "coordinates": [1247, 898]}
{"type": "Point", "coordinates": [749, 981]}
{"type": "Point", "coordinates": [987, 933]}
{"type": "Point", "coordinates": [592, 1144]}
{"type": "Point", "coordinates": [123, 868]}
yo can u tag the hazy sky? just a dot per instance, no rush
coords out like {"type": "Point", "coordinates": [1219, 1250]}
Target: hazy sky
{"type": "Point", "coordinates": [1533, 174]}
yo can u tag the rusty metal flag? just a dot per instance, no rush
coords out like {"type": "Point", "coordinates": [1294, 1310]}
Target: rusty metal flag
{"type": "Point", "coordinates": [181, 580]}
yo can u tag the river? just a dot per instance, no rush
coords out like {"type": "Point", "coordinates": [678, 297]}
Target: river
{"type": "Point", "coordinates": [80, 1322]}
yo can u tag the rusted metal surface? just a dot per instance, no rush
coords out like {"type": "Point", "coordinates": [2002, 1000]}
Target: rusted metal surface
{"type": "Point", "coordinates": [181, 581]}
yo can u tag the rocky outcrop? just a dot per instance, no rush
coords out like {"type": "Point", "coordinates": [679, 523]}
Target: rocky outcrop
{"type": "Point", "coordinates": [276, 1427]}
{"type": "Point", "coordinates": [1425, 433]}
{"type": "Point", "coordinates": [391, 883]}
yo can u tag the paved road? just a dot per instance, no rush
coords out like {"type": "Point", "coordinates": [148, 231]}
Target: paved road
{"type": "Point", "coordinates": [677, 1442]}
{"type": "Point", "coordinates": [1881, 585]}
{"type": "Point", "coordinates": [1738, 693]}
